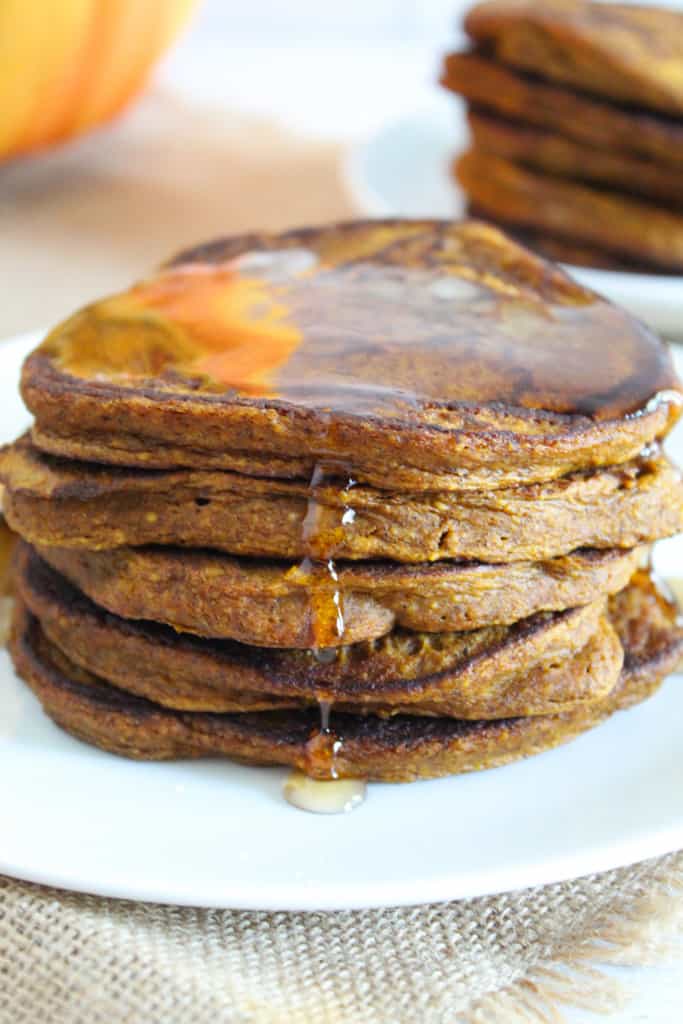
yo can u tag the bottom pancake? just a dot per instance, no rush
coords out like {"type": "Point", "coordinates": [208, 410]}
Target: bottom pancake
{"type": "Point", "coordinates": [397, 749]}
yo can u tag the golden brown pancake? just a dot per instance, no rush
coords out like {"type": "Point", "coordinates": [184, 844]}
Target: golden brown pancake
{"type": "Point", "coordinates": [404, 468]}
{"type": "Point", "coordinates": [630, 54]}
{"type": "Point", "coordinates": [397, 749]}
{"type": "Point", "coordinates": [518, 196]}
{"type": "Point", "coordinates": [276, 604]}
{"type": "Point", "coordinates": [497, 371]}
{"type": "Point", "coordinates": [568, 250]}
{"type": "Point", "coordinates": [594, 123]}
{"type": "Point", "coordinates": [554, 153]}
{"type": "Point", "coordinates": [548, 663]}
{"type": "Point", "coordinates": [74, 504]}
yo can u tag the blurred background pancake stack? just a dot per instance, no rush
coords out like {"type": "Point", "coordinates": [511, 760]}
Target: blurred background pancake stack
{"type": "Point", "coordinates": [576, 121]}
{"type": "Point", "coordinates": [372, 500]}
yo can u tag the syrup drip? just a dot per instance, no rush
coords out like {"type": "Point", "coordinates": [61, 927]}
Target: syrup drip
{"type": "Point", "coordinates": [336, 797]}
{"type": "Point", "coordinates": [326, 604]}
{"type": "Point", "coordinates": [323, 796]}
{"type": "Point", "coordinates": [324, 746]}
{"type": "Point", "coordinates": [324, 655]}
{"type": "Point", "coordinates": [321, 538]}
{"type": "Point", "coordinates": [325, 711]}
{"type": "Point", "coordinates": [318, 573]}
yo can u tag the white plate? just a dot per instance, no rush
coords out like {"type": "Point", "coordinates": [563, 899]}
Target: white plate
{"type": "Point", "coordinates": [216, 834]}
{"type": "Point", "coordinates": [403, 171]}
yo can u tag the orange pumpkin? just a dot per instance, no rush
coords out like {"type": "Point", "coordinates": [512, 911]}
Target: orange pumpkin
{"type": "Point", "coordinates": [68, 65]}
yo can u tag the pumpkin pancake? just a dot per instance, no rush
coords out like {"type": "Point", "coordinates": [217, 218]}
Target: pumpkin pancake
{"type": "Point", "coordinates": [411, 355]}
{"type": "Point", "coordinates": [276, 604]}
{"type": "Point", "coordinates": [59, 503]}
{"type": "Point", "coordinates": [518, 196]}
{"type": "Point", "coordinates": [596, 124]}
{"type": "Point", "coordinates": [630, 54]}
{"type": "Point", "coordinates": [551, 662]}
{"type": "Point", "coordinates": [397, 749]}
{"type": "Point", "coordinates": [555, 153]}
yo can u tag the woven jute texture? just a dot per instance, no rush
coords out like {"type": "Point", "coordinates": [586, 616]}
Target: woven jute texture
{"type": "Point", "coordinates": [71, 959]}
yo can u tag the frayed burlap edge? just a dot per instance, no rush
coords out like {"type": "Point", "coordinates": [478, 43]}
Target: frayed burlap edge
{"type": "Point", "coordinates": [644, 932]}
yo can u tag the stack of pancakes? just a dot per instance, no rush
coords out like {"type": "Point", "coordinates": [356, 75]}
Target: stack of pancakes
{"type": "Point", "coordinates": [373, 500]}
{"type": "Point", "coordinates": [576, 120]}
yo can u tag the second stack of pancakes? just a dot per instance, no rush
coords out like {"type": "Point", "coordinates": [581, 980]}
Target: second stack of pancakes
{"type": "Point", "coordinates": [575, 111]}
{"type": "Point", "coordinates": [416, 546]}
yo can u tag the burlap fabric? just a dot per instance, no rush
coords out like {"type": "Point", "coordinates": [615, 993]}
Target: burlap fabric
{"type": "Point", "coordinates": [85, 220]}
{"type": "Point", "coordinates": [70, 959]}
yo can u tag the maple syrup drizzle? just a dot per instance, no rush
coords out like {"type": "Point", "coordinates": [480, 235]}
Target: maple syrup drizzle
{"type": "Point", "coordinates": [318, 572]}
{"type": "Point", "coordinates": [321, 538]}
{"type": "Point", "coordinates": [324, 746]}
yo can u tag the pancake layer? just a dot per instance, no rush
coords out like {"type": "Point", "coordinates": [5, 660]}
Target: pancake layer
{"type": "Point", "coordinates": [274, 604]}
{"type": "Point", "coordinates": [398, 749]}
{"type": "Point", "coordinates": [59, 503]}
{"type": "Point", "coordinates": [548, 663]}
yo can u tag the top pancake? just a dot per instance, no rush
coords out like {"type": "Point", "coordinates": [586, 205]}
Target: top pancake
{"type": "Point", "coordinates": [630, 54]}
{"type": "Point", "coordinates": [405, 353]}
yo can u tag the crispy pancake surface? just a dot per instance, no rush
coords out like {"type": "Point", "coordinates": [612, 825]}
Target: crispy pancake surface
{"type": "Point", "coordinates": [275, 604]}
{"type": "Point", "coordinates": [268, 352]}
{"type": "Point", "coordinates": [59, 503]}
{"type": "Point", "coordinates": [628, 53]}
{"type": "Point", "coordinates": [548, 663]}
{"type": "Point", "coordinates": [400, 748]}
